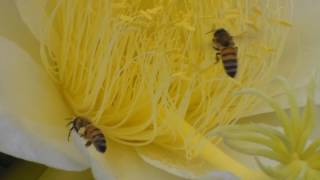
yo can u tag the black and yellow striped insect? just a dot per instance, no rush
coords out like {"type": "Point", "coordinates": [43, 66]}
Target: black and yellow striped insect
{"type": "Point", "coordinates": [226, 50]}
{"type": "Point", "coordinates": [92, 134]}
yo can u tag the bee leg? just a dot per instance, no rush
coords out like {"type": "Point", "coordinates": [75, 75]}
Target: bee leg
{"type": "Point", "coordinates": [88, 143]}
{"type": "Point", "coordinates": [70, 133]}
{"type": "Point", "coordinates": [217, 57]}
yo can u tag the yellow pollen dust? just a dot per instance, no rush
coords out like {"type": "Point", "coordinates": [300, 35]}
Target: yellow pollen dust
{"type": "Point", "coordinates": [144, 71]}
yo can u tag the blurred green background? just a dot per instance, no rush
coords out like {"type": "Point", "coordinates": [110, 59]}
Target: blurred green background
{"type": "Point", "coordinates": [17, 169]}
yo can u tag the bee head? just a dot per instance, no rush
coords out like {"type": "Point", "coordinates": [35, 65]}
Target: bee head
{"type": "Point", "coordinates": [222, 37]}
{"type": "Point", "coordinates": [76, 125]}
{"type": "Point", "coordinates": [79, 122]}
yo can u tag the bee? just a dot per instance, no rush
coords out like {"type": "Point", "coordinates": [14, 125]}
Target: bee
{"type": "Point", "coordinates": [91, 133]}
{"type": "Point", "coordinates": [226, 50]}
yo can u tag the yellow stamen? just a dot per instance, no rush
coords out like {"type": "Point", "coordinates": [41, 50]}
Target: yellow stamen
{"type": "Point", "coordinates": [140, 69]}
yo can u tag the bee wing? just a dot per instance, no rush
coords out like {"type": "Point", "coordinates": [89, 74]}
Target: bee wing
{"type": "Point", "coordinates": [240, 35]}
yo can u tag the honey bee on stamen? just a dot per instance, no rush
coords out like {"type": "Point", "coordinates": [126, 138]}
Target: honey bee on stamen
{"type": "Point", "coordinates": [226, 50]}
{"type": "Point", "coordinates": [92, 134]}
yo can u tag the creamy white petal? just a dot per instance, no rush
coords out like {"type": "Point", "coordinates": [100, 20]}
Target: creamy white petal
{"type": "Point", "coordinates": [33, 112]}
{"type": "Point", "coordinates": [175, 163]}
{"type": "Point", "coordinates": [120, 162]}
{"type": "Point", "coordinates": [12, 27]}
{"type": "Point", "coordinates": [32, 12]}
{"type": "Point", "coordinates": [100, 167]}
{"type": "Point", "coordinates": [218, 175]}
{"type": "Point", "coordinates": [281, 98]}
{"type": "Point", "coordinates": [184, 173]}
{"type": "Point", "coordinates": [300, 59]}
{"type": "Point", "coordinates": [301, 54]}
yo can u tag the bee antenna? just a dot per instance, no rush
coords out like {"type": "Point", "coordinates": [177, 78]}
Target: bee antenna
{"type": "Point", "coordinates": [69, 123]}
{"type": "Point", "coordinates": [68, 118]}
{"type": "Point", "coordinates": [210, 31]}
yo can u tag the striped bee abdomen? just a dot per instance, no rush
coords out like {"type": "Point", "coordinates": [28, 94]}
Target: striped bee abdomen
{"type": "Point", "coordinates": [226, 51]}
{"type": "Point", "coordinates": [96, 137]}
{"type": "Point", "coordinates": [92, 134]}
{"type": "Point", "coordinates": [230, 66]}
{"type": "Point", "coordinates": [229, 59]}
{"type": "Point", "coordinates": [99, 143]}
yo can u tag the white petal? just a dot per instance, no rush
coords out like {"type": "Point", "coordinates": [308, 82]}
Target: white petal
{"type": "Point", "coordinates": [32, 113]}
{"type": "Point", "coordinates": [125, 164]}
{"type": "Point", "coordinates": [301, 55]}
{"type": "Point", "coordinates": [300, 59]}
{"type": "Point", "coordinates": [218, 175]}
{"type": "Point", "coordinates": [300, 94]}
{"type": "Point", "coordinates": [13, 28]}
{"type": "Point", "coordinates": [121, 162]}
{"type": "Point", "coordinates": [176, 163]}
{"type": "Point", "coordinates": [33, 14]}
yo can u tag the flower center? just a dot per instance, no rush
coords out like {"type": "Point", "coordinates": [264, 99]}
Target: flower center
{"type": "Point", "coordinates": [143, 70]}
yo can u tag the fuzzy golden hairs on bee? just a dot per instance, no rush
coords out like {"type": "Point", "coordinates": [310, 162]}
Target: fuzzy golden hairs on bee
{"type": "Point", "coordinates": [226, 50]}
{"type": "Point", "coordinates": [92, 134]}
